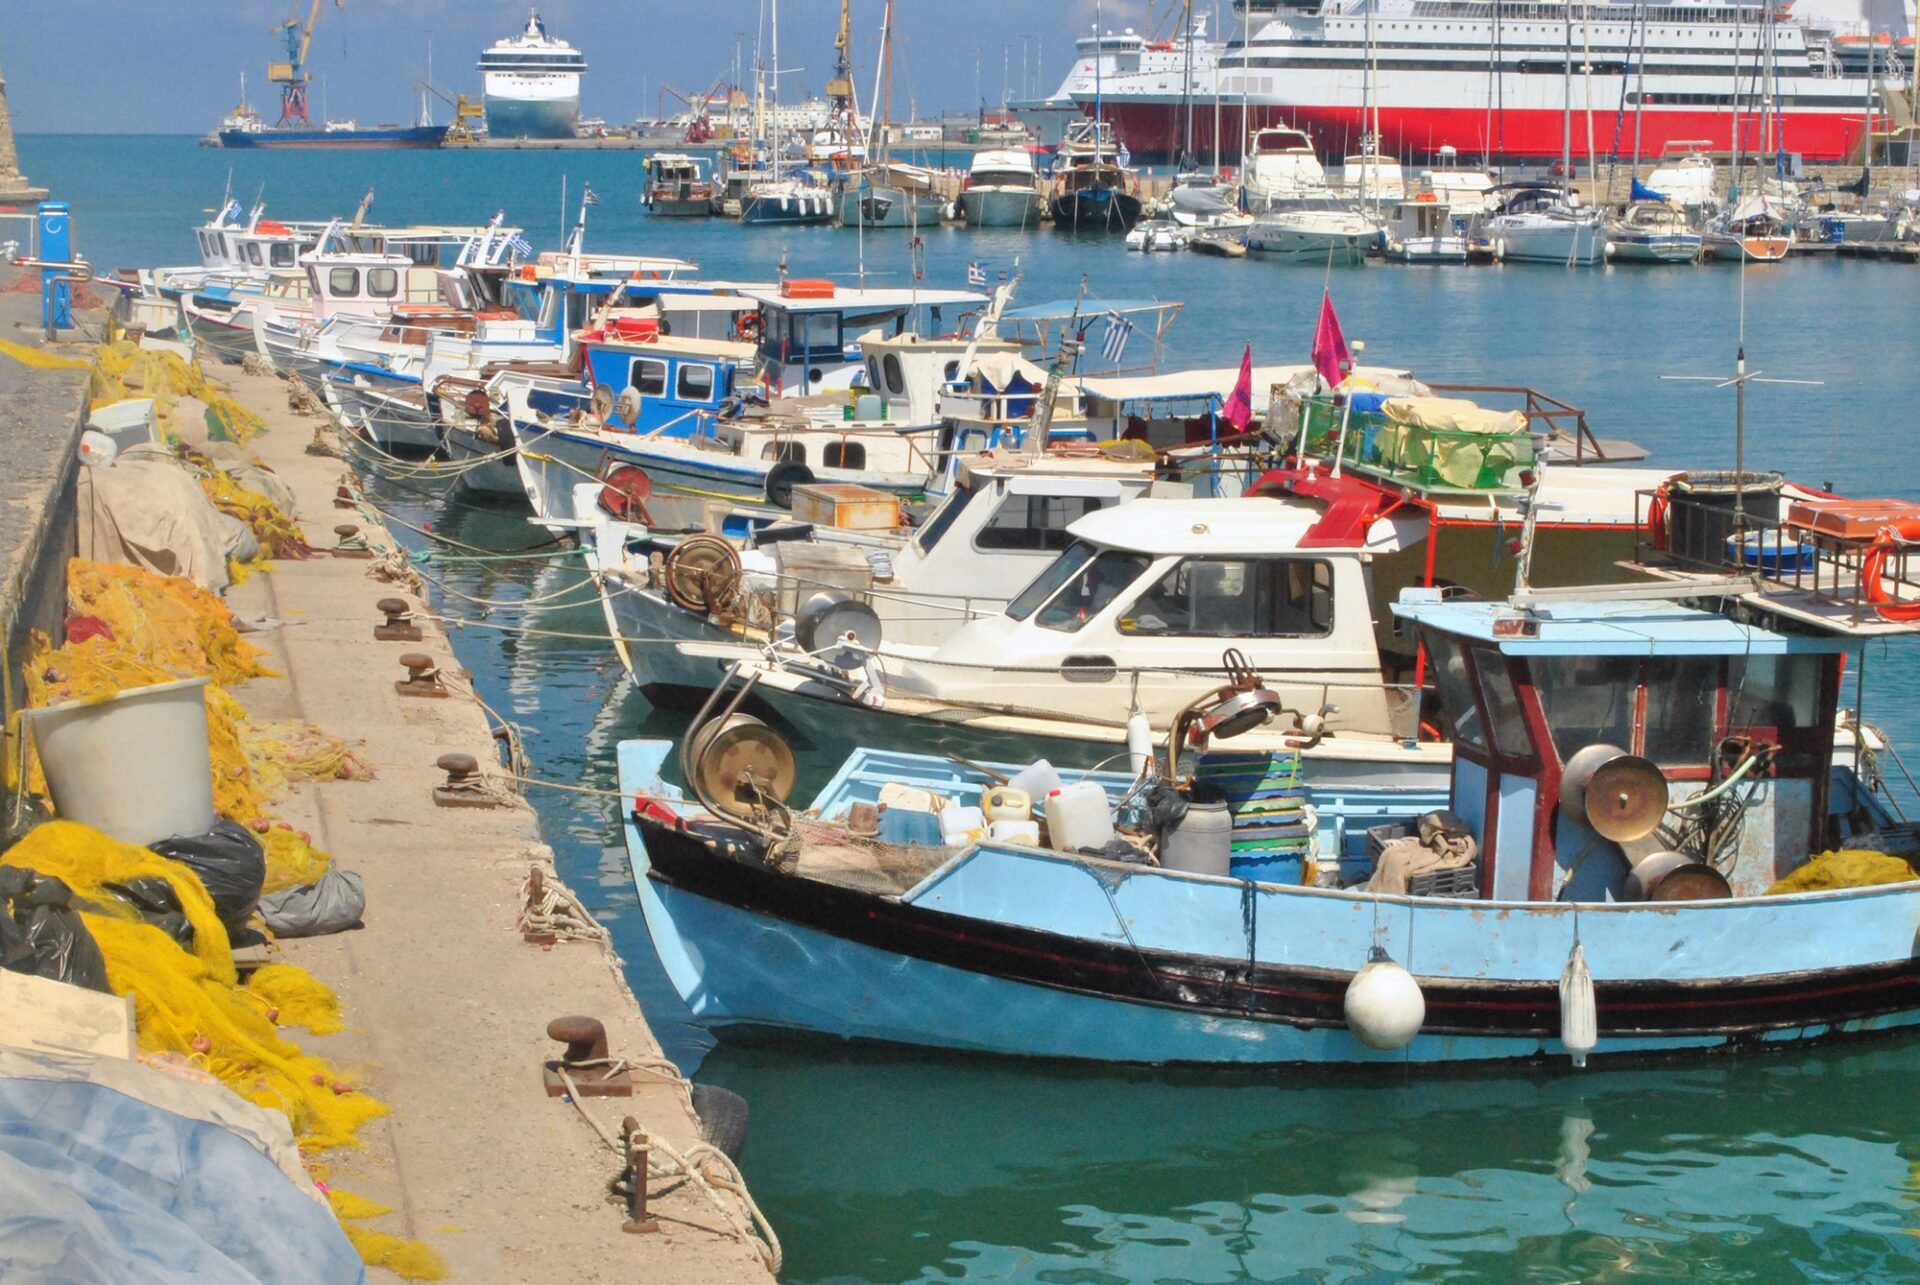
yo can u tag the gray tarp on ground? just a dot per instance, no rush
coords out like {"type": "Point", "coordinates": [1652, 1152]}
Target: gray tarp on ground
{"type": "Point", "coordinates": [98, 1183]}
{"type": "Point", "coordinates": [152, 513]}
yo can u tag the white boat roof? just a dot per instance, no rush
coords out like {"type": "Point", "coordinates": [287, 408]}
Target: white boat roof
{"type": "Point", "coordinates": [1055, 463]}
{"type": "Point", "coordinates": [1218, 382]}
{"type": "Point", "coordinates": [1262, 525]}
{"type": "Point", "coordinates": [856, 300]}
{"type": "Point", "coordinates": [680, 346]}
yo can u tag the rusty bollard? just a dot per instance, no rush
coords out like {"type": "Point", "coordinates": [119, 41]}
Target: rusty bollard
{"type": "Point", "coordinates": [423, 676]}
{"type": "Point", "coordinates": [349, 543]}
{"type": "Point", "coordinates": [398, 625]}
{"type": "Point", "coordinates": [585, 1060]}
{"type": "Point", "coordinates": [464, 786]}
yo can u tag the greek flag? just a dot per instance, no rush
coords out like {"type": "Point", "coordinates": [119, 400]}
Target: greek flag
{"type": "Point", "coordinates": [1114, 345]}
{"type": "Point", "coordinates": [230, 211]}
{"type": "Point", "coordinates": [976, 274]}
{"type": "Point", "coordinates": [520, 246]}
{"type": "Point", "coordinates": [588, 198]}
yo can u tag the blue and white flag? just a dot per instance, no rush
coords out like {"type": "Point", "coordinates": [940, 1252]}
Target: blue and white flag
{"type": "Point", "coordinates": [587, 196]}
{"type": "Point", "coordinates": [1114, 345]}
{"type": "Point", "coordinates": [521, 247]}
{"type": "Point", "coordinates": [976, 274]}
{"type": "Point", "coordinates": [230, 211]}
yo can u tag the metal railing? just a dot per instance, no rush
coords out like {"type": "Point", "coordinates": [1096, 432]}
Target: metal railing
{"type": "Point", "coordinates": [1561, 421]}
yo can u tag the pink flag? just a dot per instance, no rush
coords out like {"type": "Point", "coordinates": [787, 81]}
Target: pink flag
{"type": "Point", "coordinates": [1330, 355]}
{"type": "Point", "coordinates": [1239, 408]}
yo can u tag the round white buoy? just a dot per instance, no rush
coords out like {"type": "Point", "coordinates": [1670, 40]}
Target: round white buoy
{"type": "Point", "coordinates": [1384, 1006]}
{"type": "Point", "coordinates": [1579, 1021]}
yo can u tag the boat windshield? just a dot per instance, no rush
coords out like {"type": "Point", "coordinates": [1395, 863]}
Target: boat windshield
{"type": "Point", "coordinates": [1078, 587]}
{"type": "Point", "coordinates": [943, 518]}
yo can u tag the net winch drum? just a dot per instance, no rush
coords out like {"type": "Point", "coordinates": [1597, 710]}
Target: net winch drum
{"type": "Point", "coordinates": [1674, 876]}
{"type": "Point", "coordinates": [1621, 795]}
{"type": "Point", "coordinates": [826, 618]}
{"type": "Point", "coordinates": [724, 753]}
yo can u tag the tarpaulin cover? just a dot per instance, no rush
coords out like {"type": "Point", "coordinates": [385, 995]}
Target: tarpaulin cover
{"type": "Point", "coordinates": [152, 513]}
{"type": "Point", "coordinates": [99, 1184]}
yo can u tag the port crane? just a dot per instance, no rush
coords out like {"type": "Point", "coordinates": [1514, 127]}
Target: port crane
{"type": "Point", "coordinates": [292, 75]}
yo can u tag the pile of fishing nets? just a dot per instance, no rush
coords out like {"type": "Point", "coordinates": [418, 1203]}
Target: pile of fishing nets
{"type": "Point", "coordinates": [124, 369]}
{"type": "Point", "coordinates": [1845, 868]}
{"type": "Point", "coordinates": [279, 535]}
{"type": "Point", "coordinates": [188, 1000]}
{"type": "Point", "coordinates": [167, 620]}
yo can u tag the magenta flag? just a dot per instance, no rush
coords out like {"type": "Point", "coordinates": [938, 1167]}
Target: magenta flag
{"type": "Point", "coordinates": [1239, 408]}
{"type": "Point", "coordinates": [1330, 355]}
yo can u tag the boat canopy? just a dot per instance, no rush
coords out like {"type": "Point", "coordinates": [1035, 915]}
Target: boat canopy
{"type": "Point", "coordinates": [1605, 628]}
{"type": "Point", "coordinates": [863, 301]}
{"type": "Point", "coordinates": [1221, 527]}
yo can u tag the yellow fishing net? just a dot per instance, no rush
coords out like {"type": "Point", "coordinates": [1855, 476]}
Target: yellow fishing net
{"type": "Point", "coordinates": [123, 369]}
{"type": "Point", "coordinates": [167, 620]}
{"type": "Point", "coordinates": [1845, 868]}
{"type": "Point", "coordinates": [192, 1003]}
{"type": "Point", "coordinates": [279, 535]}
{"type": "Point", "coordinates": [292, 860]}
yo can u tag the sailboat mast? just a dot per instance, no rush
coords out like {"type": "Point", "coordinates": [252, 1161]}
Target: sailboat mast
{"type": "Point", "coordinates": [1640, 87]}
{"type": "Point", "coordinates": [886, 81]}
{"type": "Point", "coordinates": [1566, 107]}
{"type": "Point", "coordinates": [1186, 84]}
{"type": "Point", "coordinates": [776, 89]}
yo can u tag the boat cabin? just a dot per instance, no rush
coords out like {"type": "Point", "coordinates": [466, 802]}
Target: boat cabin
{"type": "Point", "coordinates": [1583, 731]}
{"type": "Point", "coordinates": [1281, 165]}
{"type": "Point", "coordinates": [810, 332]}
{"type": "Point", "coordinates": [674, 379]}
{"type": "Point", "coordinates": [353, 284]}
{"type": "Point", "coordinates": [909, 373]}
{"type": "Point", "coordinates": [1002, 169]}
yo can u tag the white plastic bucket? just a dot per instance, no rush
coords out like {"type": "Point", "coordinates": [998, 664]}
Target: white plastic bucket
{"type": "Point", "coordinates": [137, 765]}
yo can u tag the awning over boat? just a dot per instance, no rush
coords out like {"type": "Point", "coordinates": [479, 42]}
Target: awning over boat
{"type": "Point", "coordinates": [1216, 383]}
{"type": "Point", "coordinates": [1088, 310]}
{"type": "Point", "coordinates": [1611, 628]}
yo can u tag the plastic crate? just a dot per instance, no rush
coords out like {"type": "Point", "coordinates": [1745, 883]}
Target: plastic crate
{"type": "Point", "coordinates": [1379, 836]}
{"type": "Point", "coordinates": [1461, 882]}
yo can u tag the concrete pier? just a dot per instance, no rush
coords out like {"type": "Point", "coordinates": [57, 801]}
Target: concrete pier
{"type": "Point", "coordinates": [446, 1005]}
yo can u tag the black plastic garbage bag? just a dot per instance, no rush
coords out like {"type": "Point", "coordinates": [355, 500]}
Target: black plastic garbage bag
{"type": "Point", "coordinates": [330, 904]}
{"type": "Point", "coordinates": [230, 862]}
{"type": "Point", "coordinates": [41, 932]}
{"type": "Point", "coordinates": [158, 904]}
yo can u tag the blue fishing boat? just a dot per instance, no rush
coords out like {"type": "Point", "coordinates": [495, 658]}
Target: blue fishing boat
{"type": "Point", "coordinates": [1658, 834]}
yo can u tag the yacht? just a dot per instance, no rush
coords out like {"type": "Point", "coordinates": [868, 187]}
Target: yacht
{"type": "Point", "coordinates": [1424, 230]}
{"type": "Point", "coordinates": [1652, 232]}
{"type": "Point", "coordinates": [1281, 168]}
{"type": "Point", "coordinates": [1754, 230]}
{"type": "Point", "coordinates": [1092, 190]}
{"type": "Point", "coordinates": [1002, 191]}
{"type": "Point", "coordinates": [1544, 225]}
{"type": "Point", "coordinates": [1330, 234]}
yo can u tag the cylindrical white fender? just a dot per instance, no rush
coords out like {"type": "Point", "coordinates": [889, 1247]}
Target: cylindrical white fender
{"type": "Point", "coordinates": [1139, 743]}
{"type": "Point", "coordinates": [1579, 1021]}
{"type": "Point", "coordinates": [1384, 1006]}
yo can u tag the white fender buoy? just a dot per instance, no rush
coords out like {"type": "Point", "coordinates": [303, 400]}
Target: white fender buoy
{"type": "Point", "coordinates": [1579, 1022]}
{"type": "Point", "coordinates": [1139, 743]}
{"type": "Point", "coordinates": [1383, 1005]}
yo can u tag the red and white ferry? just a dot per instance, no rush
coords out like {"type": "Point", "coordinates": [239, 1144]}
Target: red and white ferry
{"type": "Point", "coordinates": [1505, 78]}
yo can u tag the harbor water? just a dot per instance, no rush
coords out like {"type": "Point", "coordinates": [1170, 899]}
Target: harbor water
{"type": "Point", "coordinates": [881, 1165]}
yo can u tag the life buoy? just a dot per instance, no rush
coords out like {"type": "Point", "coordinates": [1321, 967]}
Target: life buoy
{"type": "Point", "coordinates": [747, 327]}
{"type": "Point", "coordinates": [1873, 569]}
{"type": "Point", "coordinates": [624, 492]}
{"type": "Point", "coordinates": [1657, 523]}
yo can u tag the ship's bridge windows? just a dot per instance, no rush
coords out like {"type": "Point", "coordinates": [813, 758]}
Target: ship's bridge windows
{"type": "Point", "coordinates": [1237, 598]}
{"type": "Point", "coordinates": [343, 283]}
{"type": "Point", "coordinates": [253, 253]}
{"type": "Point", "coordinates": [383, 283]}
{"type": "Point", "coordinates": [280, 254]}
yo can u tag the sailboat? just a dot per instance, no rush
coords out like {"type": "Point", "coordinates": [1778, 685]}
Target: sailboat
{"type": "Point", "coordinates": [1541, 224]}
{"type": "Point", "coordinates": [887, 194]}
{"type": "Point", "coordinates": [1093, 190]}
{"type": "Point", "coordinates": [793, 199]}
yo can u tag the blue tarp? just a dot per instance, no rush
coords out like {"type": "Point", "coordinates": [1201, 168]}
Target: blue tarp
{"type": "Point", "coordinates": [1641, 192]}
{"type": "Point", "coordinates": [1368, 402]}
{"type": "Point", "coordinates": [97, 1186]}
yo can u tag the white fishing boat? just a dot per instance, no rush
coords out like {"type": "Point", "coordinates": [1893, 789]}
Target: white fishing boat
{"type": "Point", "coordinates": [1425, 230]}
{"type": "Point", "coordinates": [1002, 191]}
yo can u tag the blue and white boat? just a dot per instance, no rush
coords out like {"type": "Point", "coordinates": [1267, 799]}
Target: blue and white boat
{"type": "Point", "coordinates": [1625, 865]}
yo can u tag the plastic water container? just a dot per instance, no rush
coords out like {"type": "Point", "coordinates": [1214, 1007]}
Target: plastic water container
{"type": "Point", "coordinates": [1201, 842]}
{"type": "Point", "coordinates": [1004, 803]}
{"type": "Point", "coordinates": [1038, 781]}
{"type": "Point", "coordinates": [961, 825]}
{"type": "Point", "coordinates": [1078, 817]}
{"type": "Point", "coordinates": [1027, 832]}
{"type": "Point", "coordinates": [137, 766]}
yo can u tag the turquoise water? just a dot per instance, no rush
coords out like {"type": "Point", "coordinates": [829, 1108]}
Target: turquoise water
{"type": "Point", "coordinates": [888, 1166]}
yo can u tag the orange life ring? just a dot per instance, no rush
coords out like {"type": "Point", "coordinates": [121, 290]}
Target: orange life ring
{"type": "Point", "coordinates": [1657, 517]}
{"type": "Point", "coordinates": [1428, 732]}
{"type": "Point", "coordinates": [1873, 571]}
{"type": "Point", "coordinates": [747, 326]}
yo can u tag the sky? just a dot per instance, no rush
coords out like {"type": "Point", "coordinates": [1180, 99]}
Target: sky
{"type": "Point", "coordinates": [174, 66]}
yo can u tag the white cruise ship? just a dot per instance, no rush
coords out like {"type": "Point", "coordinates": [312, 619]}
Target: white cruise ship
{"type": "Point", "coordinates": [532, 84]}
{"type": "Point", "coordinates": [1105, 60]}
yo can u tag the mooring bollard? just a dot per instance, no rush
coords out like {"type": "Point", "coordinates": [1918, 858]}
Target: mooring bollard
{"type": "Point", "coordinates": [349, 543]}
{"type": "Point", "coordinates": [423, 676]}
{"type": "Point", "coordinates": [464, 786]}
{"type": "Point", "coordinates": [635, 1139]}
{"type": "Point", "coordinates": [398, 625]}
{"type": "Point", "coordinates": [586, 1061]}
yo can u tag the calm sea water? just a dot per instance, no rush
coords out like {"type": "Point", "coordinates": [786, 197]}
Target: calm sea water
{"type": "Point", "coordinates": [889, 1166]}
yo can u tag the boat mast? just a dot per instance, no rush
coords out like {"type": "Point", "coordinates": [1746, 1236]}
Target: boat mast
{"type": "Point", "coordinates": [1566, 109]}
{"type": "Point", "coordinates": [775, 135]}
{"type": "Point", "coordinates": [1246, 65]}
{"type": "Point", "coordinates": [1186, 85]}
{"type": "Point", "coordinates": [1586, 77]}
{"type": "Point", "coordinates": [1216, 94]}
{"type": "Point", "coordinates": [1640, 86]}
{"type": "Point", "coordinates": [1366, 105]}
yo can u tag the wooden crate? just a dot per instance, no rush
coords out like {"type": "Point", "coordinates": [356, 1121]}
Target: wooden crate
{"type": "Point", "coordinates": [845, 505]}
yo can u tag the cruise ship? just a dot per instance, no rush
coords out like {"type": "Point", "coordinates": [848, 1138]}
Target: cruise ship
{"type": "Point", "coordinates": [532, 84]}
{"type": "Point", "coordinates": [1104, 59]}
{"type": "Point", "coordinates": [1515, 79]}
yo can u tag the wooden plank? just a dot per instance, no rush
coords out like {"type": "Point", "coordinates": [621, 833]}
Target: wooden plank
{"type": "Point", "coordinates": [42, 1014]}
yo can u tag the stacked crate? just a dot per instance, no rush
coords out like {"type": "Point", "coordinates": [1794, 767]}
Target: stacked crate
{"type": "Point", "coordinates": [1268, 803]}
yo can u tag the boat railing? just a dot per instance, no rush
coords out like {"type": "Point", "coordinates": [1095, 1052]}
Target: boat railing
{"type": "Point", "coordinates": [1701, 532]}
{"type": "Point", "coordinates": [1561, 422]}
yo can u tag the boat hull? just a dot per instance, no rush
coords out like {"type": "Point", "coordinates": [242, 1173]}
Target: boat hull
{"type": "Point", "coordinates": [1561, 243]}
{"type": "Point", "coordinates": [648, 626]}
{"type": "Point", "coordinates": [1001, 207]}
{"type": "Point", "coordinates": [809, 207]}
{"type": "Point", "coordinates": [1095, 210]}
{"type": "Point", "coordinates": [533, 117]}
{"type": "Point", "coordinates": [1348, 248]}
{"type": "Point", "coordinates": [1754, 249]}
{"type": "Point", "coordinates": [485, 468]}
{"type": "Point", "coordinates": [344, 140]}
{"type": "Point", "coordinates": [1128, 964]}
{"type": "Point", "coordinates": [889, 207]}
{"type": "Point", "coordinates": [1678, 248]}
{"type": "Point", "coordinates": [680, 207]}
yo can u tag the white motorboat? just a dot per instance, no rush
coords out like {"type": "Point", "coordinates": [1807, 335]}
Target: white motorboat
{"type": "Point", "coordinates": [1282, 169]}
{"type": "Point", "coordinates": [1652, 232]}
{"type": "Point", "coordinates": [1424, 230]}
{"type": "Point", "coordinates": [1002, 191]}
{"type": "Point", "coordinates": [1688, 177]}
{"type": "Point", "coordinates": [1157, 235]}
{"type": "Point", "coordinates": [1333, 234]}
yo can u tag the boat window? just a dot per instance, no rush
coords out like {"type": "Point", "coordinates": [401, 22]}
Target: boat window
{"type": "Point", "coordinates": [1681, 694]}
{"type": "Point", "coordinates": [648, 377]}
{"type": "Point", "coordinates": [895, 383]}
{"type": "Point", "coordinates": [1047, 583]}
{"type": "Point", "coordinates": [1507, 725]}
{"type": "Point", "coordinates": [1091, 591]}
{"type": "Point", "coordinates": [253, 253]}
{"type": "Point", "coordinates": [696, 383]}
{"type": "Point", "coordinates": [280, 255]}
{"type": "Point", "coordinates": [814, 331]}
{"type": "Point", "coordinates": [1460, 711]}
{"type": "Point", "coordinates": [1035, 522]}
{"type": "Point", "coordinates": [383, 283]}
{"type": "Point", "coordinates": [343, 282]}
{"type": "Point", "coordinates": [1780, 692]}
{"type": "Point", "coordinates": [844, 455]}
{"type": "Point", "coordinates": [785, 452]}
{"type": "Point", "coordinates": [1237, 598]}
{"type": "Point", "coordinates": [943, 518]}
{"type": "Point", "coordinates": [1589, 700]}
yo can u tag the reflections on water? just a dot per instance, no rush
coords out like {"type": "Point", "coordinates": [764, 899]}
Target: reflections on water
{"type": "Point", "coordinates": [891, 1166]}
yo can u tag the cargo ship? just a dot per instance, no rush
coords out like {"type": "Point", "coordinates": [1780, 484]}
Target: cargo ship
{"type": "Point", "coordinates": [532, 84]}
{"type": "Point", "coordinates": [1512, 79]}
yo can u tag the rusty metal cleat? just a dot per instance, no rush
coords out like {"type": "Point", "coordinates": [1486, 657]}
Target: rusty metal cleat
{"type": "Point", "coordinates": [351, 544]}
{"type": "Point", "coordinates": [398, 626]}
{"type": "Point", "coordinates": [586, 1061]}
{"type": "Point", "coordinates": [465, 787]}
{"type": "Point", "coordinates": [634, 1139]}
{"type": "Point", "coordinates": [423, 676]}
